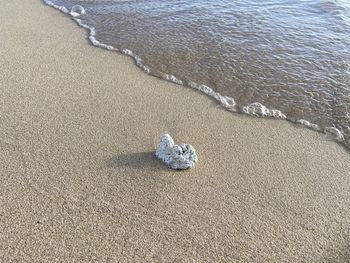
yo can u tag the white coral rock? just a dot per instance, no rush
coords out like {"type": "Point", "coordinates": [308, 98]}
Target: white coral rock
{"type": "Point", "coordinates": [177, 157]}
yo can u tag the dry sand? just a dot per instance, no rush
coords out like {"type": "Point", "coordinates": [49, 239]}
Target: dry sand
{"type": "Point", "coordinates": [79, 180]}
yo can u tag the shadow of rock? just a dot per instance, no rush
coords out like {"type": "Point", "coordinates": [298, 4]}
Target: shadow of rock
{"type": "Point", "coordinates": [140, 160]}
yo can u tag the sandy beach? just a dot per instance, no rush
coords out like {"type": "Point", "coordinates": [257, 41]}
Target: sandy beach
{"type": "Point", "coordinates": [80, 183]}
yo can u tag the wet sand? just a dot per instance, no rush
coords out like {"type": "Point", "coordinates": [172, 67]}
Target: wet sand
{"type": "Point", "coordinates": [79, 180]}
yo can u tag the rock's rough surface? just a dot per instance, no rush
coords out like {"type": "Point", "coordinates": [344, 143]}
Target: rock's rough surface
{"type": "Point", "coordinates": [177, 157]}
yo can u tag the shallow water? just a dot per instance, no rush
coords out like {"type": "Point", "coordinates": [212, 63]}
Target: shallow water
{"type": "Point", "coordinates": [293, 56]}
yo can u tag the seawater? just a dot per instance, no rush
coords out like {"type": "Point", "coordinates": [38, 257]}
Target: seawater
{"type": "Point", "coordinates": [274, 58]}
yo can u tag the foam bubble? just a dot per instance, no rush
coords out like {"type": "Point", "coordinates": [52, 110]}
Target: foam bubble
{"type": "Point", "coordinates": [257, 109]}
{"type": "Point", "coordinates": [77, 10]}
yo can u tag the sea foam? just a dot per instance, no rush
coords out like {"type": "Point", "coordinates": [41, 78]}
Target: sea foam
{"type": "Point", "coordinates": [259, 110]}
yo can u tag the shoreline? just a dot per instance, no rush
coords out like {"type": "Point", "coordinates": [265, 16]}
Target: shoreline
{"type": "Point", "coordinates": [254, 109]}
{"type": "Point", "coordinates": [80, 180]}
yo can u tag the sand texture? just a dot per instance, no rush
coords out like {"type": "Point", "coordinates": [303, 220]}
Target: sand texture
{"type": "Point", "coordinates": [79, 180]}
